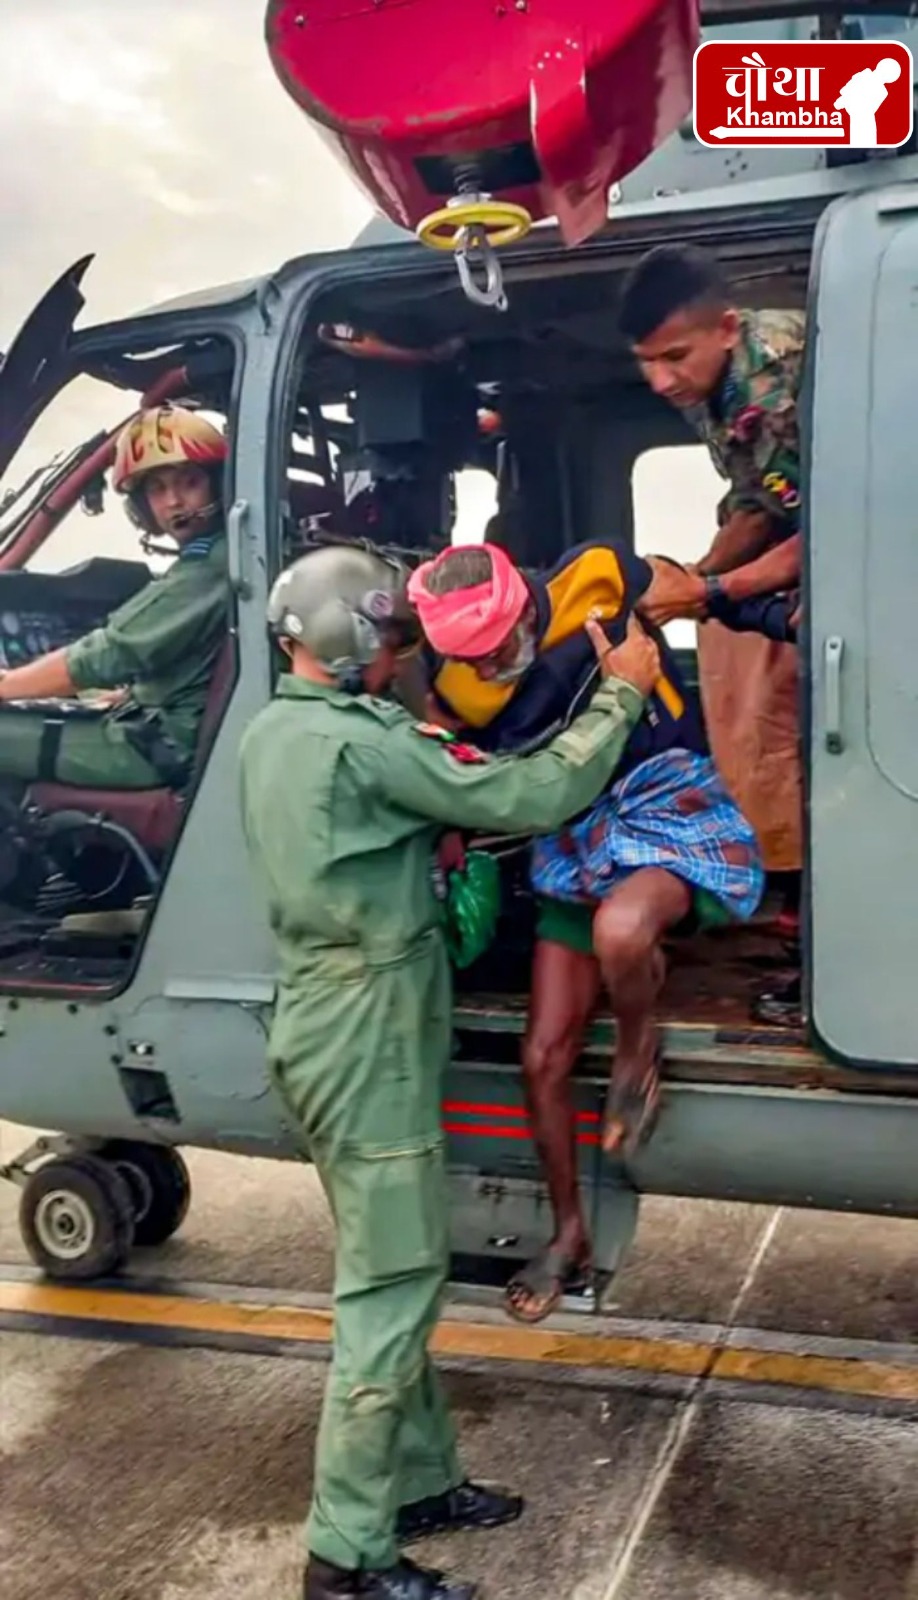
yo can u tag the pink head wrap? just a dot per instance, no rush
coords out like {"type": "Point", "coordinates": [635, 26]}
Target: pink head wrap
{"type": "Point", "coordinates": [470, 622]}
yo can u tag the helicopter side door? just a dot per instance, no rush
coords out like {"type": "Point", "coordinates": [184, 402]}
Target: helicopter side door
{"type": "Point", "coordinates": [860, 412]}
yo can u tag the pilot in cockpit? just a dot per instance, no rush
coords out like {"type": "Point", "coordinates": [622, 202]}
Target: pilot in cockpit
{"type": "Point", "coordinates": [160, 648]}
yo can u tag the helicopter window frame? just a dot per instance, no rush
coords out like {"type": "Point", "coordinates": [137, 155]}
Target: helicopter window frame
{"type": "Point", "coordinates": [88, 353]}
{"type": "Point", "coordinates": [88, 347]}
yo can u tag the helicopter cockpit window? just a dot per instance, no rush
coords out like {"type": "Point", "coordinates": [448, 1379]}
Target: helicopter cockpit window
{"type": "Point", "coordinates": [62, 438]}
{"type": "Point", "coordinates": [90, 519]}
{"type": "Point", "coordinates": [99, 766]}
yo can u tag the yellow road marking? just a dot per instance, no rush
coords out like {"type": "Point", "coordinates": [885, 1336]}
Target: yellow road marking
{"type": "Point", "coordinates": [301, 1325]}
{"type": "Point", "coordinates": [167, 1311]}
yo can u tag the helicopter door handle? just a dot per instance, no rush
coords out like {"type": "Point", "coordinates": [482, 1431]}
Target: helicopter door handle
{"type": "Point", "coordinates": [236, 528]}
{"type": "Point", "coordinates": [833, 662]}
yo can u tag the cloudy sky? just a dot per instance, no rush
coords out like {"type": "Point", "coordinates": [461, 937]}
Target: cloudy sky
{"type": "Point", "coordinates": [158, 137]}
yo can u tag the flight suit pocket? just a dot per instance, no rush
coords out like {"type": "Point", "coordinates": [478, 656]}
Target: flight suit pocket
{"type": "Point", "coordinates": [391, 1211]}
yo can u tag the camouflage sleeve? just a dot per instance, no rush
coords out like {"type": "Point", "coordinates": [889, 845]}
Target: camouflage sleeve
{"type": "Point", "coordinates": [765, 454]}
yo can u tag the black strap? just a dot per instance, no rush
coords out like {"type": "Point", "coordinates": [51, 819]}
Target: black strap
{"type": "Point", "coordinates": [146, 734]}
{"type": "Point", "coordinates": [49, 748]}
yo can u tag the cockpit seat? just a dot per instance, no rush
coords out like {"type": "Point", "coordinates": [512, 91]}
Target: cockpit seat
{"type": "Point", "coordinates": [152, 816]}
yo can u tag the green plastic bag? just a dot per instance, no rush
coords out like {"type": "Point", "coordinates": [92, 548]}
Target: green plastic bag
{"type": "Point", "coordinates": [472, 907]}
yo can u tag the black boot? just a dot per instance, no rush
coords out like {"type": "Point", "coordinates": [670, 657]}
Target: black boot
{"type": "Point", "coordinates": [469, 1505]}
{"type": "Point", "coordinates": [322, 1581]}
{"type": "Point", "coordinates": [404, 1581]}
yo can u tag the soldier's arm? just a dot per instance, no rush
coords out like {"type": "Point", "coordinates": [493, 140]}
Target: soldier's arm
{"type": "Point", "coordinates": [743, 535]}
{"type": "Point", "coordinates": [682, 592]}
{"type": "Point", "coordinates": [48, 678]}
{"type": "Point", "coordinates": [151, 631]}
{"type": "Point", "coordinates": [453, 783]}
{"type": "Point", "coordinates": [778, 568]}
{"type": "Point", "coordinates": [770, 614]}
{"type": "Point", "coordinates": [762, 505]}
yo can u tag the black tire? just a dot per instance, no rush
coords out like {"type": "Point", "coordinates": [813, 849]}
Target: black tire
{"type": "Point", "coordinates": [159, 1184]}
{"type": "Point", "coordinates": [77, 1218]}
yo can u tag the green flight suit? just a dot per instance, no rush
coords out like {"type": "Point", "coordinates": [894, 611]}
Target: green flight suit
{"type": "Point", "coordinates": [343, 799]}
{"type": "Point", "coordinates": [163, 644]}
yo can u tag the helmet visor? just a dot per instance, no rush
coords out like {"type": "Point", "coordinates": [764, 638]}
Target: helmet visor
{"type": "Point", "coordinates": [397, 623]}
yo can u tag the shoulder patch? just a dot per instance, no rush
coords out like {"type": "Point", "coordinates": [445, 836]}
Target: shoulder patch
{"type": "Point", "coordinates": [746, 424]}
{"type": "Point", "coordinates": [467, 754]}
{"type": "Point", "coordinates": [786, 492]}
{"type": "Point", "coordinates": [196, 549]}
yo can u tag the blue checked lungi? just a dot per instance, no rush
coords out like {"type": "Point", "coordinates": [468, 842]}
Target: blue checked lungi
{"type": "Point", "coordinates": [671, 811]}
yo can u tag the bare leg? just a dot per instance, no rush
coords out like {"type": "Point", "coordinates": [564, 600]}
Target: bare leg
{"type": "Point", "coordinates": [627, 930]}
{"type": "Point", "coordinates": [565, 986]}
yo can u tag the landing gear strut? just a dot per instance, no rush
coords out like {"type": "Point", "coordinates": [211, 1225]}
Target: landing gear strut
{"type": "Point", "coordinates": [86, 1204]}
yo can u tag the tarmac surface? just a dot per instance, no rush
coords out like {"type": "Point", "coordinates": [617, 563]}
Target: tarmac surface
{"type": "Point", "coordinates": [137, 1472]}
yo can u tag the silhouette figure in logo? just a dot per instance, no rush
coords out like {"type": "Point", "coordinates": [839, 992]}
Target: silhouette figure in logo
{"type": "Point", "coordinates": [862, 97]}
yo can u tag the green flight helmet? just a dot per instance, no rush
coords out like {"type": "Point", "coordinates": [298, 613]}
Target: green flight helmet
{"type": "Point", "coordinates": [343, 603]}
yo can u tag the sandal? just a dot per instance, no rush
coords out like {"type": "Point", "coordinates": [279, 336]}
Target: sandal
{"type": "Point", "coordinates": [550, 1275]}
{"type": "Point", "coordinates": [781, 1007]}
{"type": "Point", "coordinates": [636, 1104]}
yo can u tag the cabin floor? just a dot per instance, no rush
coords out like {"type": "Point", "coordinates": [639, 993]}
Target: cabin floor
{"type": "Point", "coordinates": [713, 977]}
{"type": "Point", "coordinates": [709, 1031]}
{"type": "Point", "coordinates": [712, 982]}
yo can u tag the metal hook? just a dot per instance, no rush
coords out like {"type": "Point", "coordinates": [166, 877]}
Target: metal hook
{"type": "Point", "coordinates": [472, 243]}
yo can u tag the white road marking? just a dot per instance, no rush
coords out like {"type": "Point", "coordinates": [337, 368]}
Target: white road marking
{"type": "Point", "coordinates": [681, 1425]}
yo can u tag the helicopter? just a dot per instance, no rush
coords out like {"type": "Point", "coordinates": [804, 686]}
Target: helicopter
{"type": "Point", "coordinates": [137, 971]}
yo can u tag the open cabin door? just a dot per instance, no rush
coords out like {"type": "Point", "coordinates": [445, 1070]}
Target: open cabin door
{"type": "Point", "coordinates": [38, 358]}
{"type": "Point", "coordinates": [863, 636]}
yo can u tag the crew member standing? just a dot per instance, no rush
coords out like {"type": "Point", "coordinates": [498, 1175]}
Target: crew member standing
{"type": "Point", "coordinates": [344, 798]}
{"type": "Point", "coordinates": [735, 374]}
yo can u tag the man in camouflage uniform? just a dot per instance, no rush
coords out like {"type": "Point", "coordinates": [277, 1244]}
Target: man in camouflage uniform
{"type": "Point", "coordinates": [734, 374]}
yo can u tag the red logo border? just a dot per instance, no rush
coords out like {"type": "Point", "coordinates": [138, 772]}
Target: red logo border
{"type": "Point", "coordinates": [804, 44]}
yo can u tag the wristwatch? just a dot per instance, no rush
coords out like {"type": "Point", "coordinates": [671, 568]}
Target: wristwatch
{"type": "Point", "coordinates": [714, 593]}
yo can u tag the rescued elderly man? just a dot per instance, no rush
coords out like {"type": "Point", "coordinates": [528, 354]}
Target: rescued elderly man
{"type": "Point", "coordinates": [734, 375]}
{"type": "Point", "coordinates": [509, 662]}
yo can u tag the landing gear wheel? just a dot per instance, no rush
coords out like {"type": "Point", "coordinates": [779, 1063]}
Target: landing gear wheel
{"type": "Point", "coordinates": [159, 1184]}
{"type": "Point", "coordinates": [77, 1218]}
